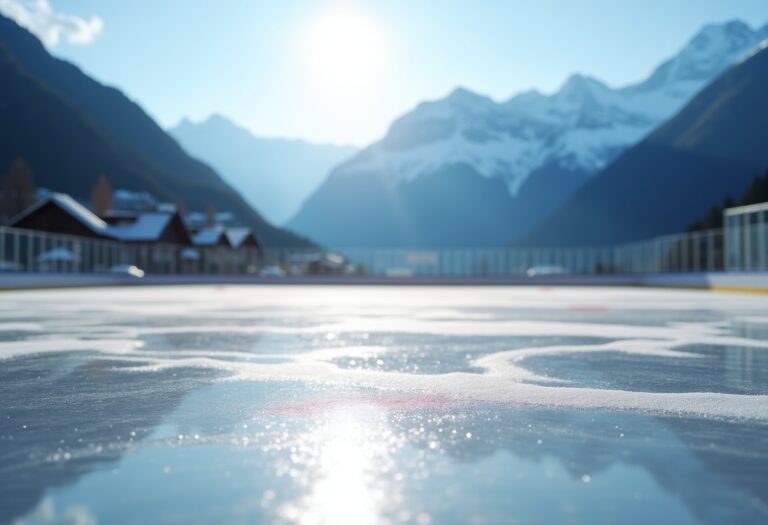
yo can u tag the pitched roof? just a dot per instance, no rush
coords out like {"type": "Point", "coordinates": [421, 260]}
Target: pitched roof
{"type": "Point", "coordinates": [238, 236]}
{"type": "Point", "coordinates": [210, 237]}
{"type": "Point", "coordinates": [146, 227]}
{"type": "Point", "coordinates": [85, 216]}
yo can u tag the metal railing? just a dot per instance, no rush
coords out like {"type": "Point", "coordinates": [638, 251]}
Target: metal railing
{"type": "Point", "coordinates": [747, 243]}
{"type": "Point", "coordinates": [695, 252]}
{"type": "Point", "coordinates": [34, 251]}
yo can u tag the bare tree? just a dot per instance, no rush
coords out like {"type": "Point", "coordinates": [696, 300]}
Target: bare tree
{"type": "Point", "coordinates": [101, 195]}
{"type": "Point", "coordinates": [210, 215]}
{"type": "Point", "coordinates": [17, 189]}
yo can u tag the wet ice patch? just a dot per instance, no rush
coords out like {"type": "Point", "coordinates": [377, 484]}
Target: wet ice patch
{"type": "Point", "coordinates": [457, 343]}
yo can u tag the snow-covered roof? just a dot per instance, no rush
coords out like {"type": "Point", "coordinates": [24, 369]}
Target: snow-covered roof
{"type": "Point", "coordinates": [80, 212]}
{"type": "Point", "coordinates": [85, 216]}
{"type": "Point", "coordinates": [209, 237]}
{"type": "Point", "coordinates": [237, 236]}
{"type": "Point", "coordinates": [146, 227]}
{"type": "Point", "coordinates": [128, 225]}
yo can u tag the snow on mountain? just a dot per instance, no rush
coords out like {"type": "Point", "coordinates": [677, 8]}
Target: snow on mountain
{"type": "Point", "coordinates": [438, 177]}
{"type": "Point", "coordinates": [581, 126]}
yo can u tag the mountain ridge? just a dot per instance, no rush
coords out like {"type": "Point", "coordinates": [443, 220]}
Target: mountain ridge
{"type": "Point", "coordinates": [274, 175]}
{"type": "Point", "coordinates": [710, 150]}
{"type": "Point", "coordinates": [131, 134]}
{"type": "Point", "coordinates": [542, 147]}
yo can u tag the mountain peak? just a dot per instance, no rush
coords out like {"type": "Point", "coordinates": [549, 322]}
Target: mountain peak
{"type": "Point", "coordinates": [461, 93]}
{"type": "Point", "coordinates": [463, 97]}
{"type": "Point", "coordinates": [580, 89]}
{"type": "Point", "coordinates": [729, 36]}
{"type": "Point", "coordinates": [218, 119]}
{"type": "Point", "coordinates": [215, 123]}
{"type": "Point", "coordinates": [710, 52]}
{"type": "Point", "coordinates": [577, 81]}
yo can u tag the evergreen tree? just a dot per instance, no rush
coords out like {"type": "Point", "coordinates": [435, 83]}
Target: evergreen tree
{"type": "Point", "coordinates": [756, 192]}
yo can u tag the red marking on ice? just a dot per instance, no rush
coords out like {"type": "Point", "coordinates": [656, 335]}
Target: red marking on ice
{"type": "Point", "coordinates": [387, 402]}
{"type": "Point", "coordinates": [588, 308]}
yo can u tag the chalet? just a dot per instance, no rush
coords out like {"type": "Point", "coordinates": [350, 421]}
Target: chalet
{"type": "Point", "coordinates": [211, 238]}
{"type": "Point", "coordinates": [152, 227]}
{"type": "Point", "coordinates": [216, 254]}
{"type": "Point", "coordinates": [242, 237]}
{"type": "Point", "coordinates": [60, 213]}
{"type": "Point", "coordinates": [247, 248]}
{"type": "Point", "coordinates": [158, 241]}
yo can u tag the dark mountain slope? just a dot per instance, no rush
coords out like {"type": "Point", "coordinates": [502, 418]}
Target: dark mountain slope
{"type": "Point", "coordinates": [710, 150]}
{"type": "Point", "coordinates": [756, 193]}
{"type": "Point", "coordinates": [133, 151]}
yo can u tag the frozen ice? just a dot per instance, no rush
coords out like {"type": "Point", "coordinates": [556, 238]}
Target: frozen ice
{"type": "Point", "coordinates": [384, 404]}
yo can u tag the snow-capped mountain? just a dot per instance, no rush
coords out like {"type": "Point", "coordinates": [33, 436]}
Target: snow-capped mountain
{"type": "Point", "coordinates": [711, 150]}
{"type": "Point", "coordinates": [539, 147]}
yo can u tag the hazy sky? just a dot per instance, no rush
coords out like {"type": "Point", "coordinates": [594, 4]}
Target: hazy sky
{"type": "Point", "coordinates": [341, 71]}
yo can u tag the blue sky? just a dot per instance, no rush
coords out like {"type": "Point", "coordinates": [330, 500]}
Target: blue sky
{"type": "Point", "coordinates": [256, 62]}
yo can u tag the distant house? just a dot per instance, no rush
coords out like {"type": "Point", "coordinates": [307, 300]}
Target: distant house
{"type": "Point", "coordinates": [225, 218]}
{"type": "Point", "coordinates": [242, 237]}
{"type": "Point", "coordinates": [157, 238]}
{"type": "Point", "coordinates": [247, 247]}
{"type": "Point", "coordinates": [216, 251]}
{"type": "Point", "coordinates": [60, 213]}
{"type": "Point", "coordinates": [211, 238]}
{"type": "Point", "coordinates": [153, 239]}
{"type": "Point", "coordinates": [133, 200]}
{"type": "Point", "coordinates": [156, 241]}
{"type": "Point", "coordinates": [152, 227]}
{"type": "Point", "coordinates": [197, 221]}
{"type": "Point", "coordinates": [316, 263]}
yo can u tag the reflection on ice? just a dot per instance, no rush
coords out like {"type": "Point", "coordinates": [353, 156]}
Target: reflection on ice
{"type": "Point", "coordinates": [387, 405]}
{"type": "Point", "coordinates": [344, 460]}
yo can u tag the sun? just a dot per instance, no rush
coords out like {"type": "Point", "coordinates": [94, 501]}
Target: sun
{"type": "Point", "coordinates": [346, 50]}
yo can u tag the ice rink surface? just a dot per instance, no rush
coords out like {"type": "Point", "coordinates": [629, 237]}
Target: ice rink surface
{"type": "Point", "coordinates": [367, 405]}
